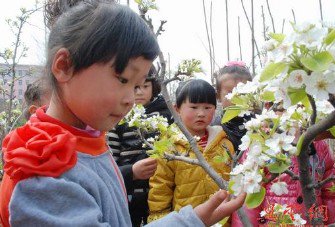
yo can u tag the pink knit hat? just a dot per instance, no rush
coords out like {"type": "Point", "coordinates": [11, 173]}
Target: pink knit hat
{"type": "Point", "coordinates": [235, 63]}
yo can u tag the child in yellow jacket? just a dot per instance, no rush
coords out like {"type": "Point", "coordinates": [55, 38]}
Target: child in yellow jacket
{"type": "Point", "coordinates": [176, 184]}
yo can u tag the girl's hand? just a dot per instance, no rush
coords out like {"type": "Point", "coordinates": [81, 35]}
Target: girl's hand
{"type": "Point", "coordinates": [144, 169]}
{"type": "Point", "coordinates": [218, 207]}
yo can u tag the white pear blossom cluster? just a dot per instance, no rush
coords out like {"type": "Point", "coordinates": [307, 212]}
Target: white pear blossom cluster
{"type": "Point", "coordinates": [150, 123]}
{"type": "Point", "coordinates": [300, 69]}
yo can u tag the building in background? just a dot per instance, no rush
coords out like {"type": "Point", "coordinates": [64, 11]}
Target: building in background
{"type": "Point", "coordinates": [25, 74]}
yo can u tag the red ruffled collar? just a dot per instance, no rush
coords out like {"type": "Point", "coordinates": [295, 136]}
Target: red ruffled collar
{"type": "Point", "coordinates": [46, 147]}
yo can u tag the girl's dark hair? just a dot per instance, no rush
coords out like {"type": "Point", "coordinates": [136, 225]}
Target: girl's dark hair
{"type": "Point", "coordinates": [196, 91]}
{"type": "Point", "coordinates": [152, 77]}
{"type": "Point", "coordinates": [97, 31]}
{"type": "Point", "coordinates": [239, 73]}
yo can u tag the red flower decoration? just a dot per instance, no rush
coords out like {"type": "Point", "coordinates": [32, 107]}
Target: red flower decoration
{"type": "Point", "coordinates": [39, 149]}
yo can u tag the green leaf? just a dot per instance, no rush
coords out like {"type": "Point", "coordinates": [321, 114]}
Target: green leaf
{"type": "Point", "coordinates": [268, 96]}
{"type": "Point", "coordinates": [230, 185]}
{"type": "Point", "coordinates": [332, 130]}
{"type": "Point", "coordinates": [255, 199]}
{"type": "Point", "coordinates": [230, 113]}
{"type": "Point", "coordinates": [162, 145]}
{"type": "Point", "coordinates": [277, 36]}
{"type": "Point", "coordinates": [332, 188]}
{"type": "Point", "coordinates": [330, 37]}
{"type": "Point", "coordinates": [138, 1]}
{"type": "Point", "coordinates": [221, 159]}
{"type": "Point", "coordinates": [319, 62]}
{"type": "Point", "coordinates": [296, 95]}
{"type": "Point", "coordinates": [299, 144]}
{"type": "Point", "coordinates": [237, 100]}
{"type": "Point", "coordinates": [272, 70]}
{"type": "Point", "coordinates": [278, 167]}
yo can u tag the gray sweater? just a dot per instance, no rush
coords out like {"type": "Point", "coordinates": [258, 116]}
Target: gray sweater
{"type": "Point", "coordinates": [92, 193]}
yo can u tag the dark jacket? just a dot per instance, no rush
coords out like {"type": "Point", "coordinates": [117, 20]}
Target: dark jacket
{"type": "Point", "coordinates": [127, 149]}
{"type": "Point", "coordinates": [235, 128]}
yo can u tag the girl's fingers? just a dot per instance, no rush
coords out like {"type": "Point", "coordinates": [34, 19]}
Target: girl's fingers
{"type": "Point", "coordinates": [229, 207]}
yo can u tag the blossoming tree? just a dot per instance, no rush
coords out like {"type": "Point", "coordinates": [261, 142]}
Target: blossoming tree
{"type": "Point", "coordinates": [299, 76]}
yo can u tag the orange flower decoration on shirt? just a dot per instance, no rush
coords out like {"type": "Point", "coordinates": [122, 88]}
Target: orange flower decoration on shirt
{"type": "Point", "coordinates": [39, 149]}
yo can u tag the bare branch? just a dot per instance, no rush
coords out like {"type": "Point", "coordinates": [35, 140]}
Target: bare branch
{"type": "Point", "coordinates": [239, 37]}
{"type": "Point", "coordinates": [212, 41]}
{"type": "Point", "coordinates": [273, 24]}
{"type": "Point", "coordinates": [293, 16]}
{"type": "Point", "coordinates": [208, 39]}
{"type": "Point", "coordinates": [264, 27]}
{"type": "Point", "coordinates": [250, 26]}
{"type": "Point", "coordinates": [227, 29]}
{"type": "Point", "coordinates": [253, 38]}
{"type": "Point", "coordinates": [291, 174]}
{"type": "Point", "coordinates": [313, 105]}
{"type": "Point", "coordinates": [320, 4]}
{"type": "Point", "coordinates": [171, 157]}
{"type": "Point", "coordinates": [321, 183]}
{"type": "Point", "coordinates": [160, 28]}
{"type": "Point", "coordinates": [283, 25]}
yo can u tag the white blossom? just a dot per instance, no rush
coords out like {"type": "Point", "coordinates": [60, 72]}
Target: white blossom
{"type": "Point", "coordinates": [251, 181]}
{"type": "Point", "coordinates": [324, 106]}
{"type": "Point", "coordinates": [296, 78]}
{"type": "Point", "coordinates": [245, 143]}
{"type": "Point", "coordinates": [319, 85]}
{"type": "Point", "coordinates": [298, 221]}
{"type": "Point", "coordinates": [279, 188]}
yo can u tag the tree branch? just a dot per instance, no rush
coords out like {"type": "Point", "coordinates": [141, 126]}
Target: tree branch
{"type": "Point", "coordinates": [250, 26]}
{"type": "Point", "coordinates": [273, 24]}
{"type": "Point", "coordinates": [191, 161]}
{"type": "Point", "coordinates": [291, 174]}
{"type": "Point", "coordinates": [321, 183]}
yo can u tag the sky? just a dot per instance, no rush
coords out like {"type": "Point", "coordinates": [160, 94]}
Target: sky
{"type": "Point", "coordinates": [185, 32]}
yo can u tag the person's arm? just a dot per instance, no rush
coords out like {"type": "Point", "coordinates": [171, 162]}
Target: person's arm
{"type": "Point", "coordinates": [47, 201]}
{"type": "Point", "coordinates": [206, 214]}
{"type": "Point", "coordinates": [161, 190]}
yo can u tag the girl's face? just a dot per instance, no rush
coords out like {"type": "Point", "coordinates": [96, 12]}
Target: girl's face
{"type": "Point", "coordinates": [227, 84]}
{"type": "Point", "coordinates": [97, 96]}
{"type": "Point", "coordinates": [196, 116]}
{"type": "Point", "coordinates": [143, 93]}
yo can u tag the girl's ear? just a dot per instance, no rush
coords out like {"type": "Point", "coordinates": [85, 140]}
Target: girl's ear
{"type": "Point", "coordinates": [32, 109]}
{"type": "Point", "coordinates": [176, 108]}
{"type": "Point", "coordinates": [62, 66]}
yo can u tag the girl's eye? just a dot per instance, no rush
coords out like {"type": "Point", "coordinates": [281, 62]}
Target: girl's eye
{"type": "Point", "coordinates": [122, 80]}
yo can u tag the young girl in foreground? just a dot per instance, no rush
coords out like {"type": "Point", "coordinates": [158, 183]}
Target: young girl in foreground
{"type": "Point", "coordinates": [177, 184]}
{"type": "Point", "coordinates": [58, 171]}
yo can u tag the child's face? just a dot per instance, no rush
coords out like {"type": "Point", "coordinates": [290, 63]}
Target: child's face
{"type": "Point", "coordinates": [227, 84]}
{"type": "Point", "coordinates": [99, 97]}
{"type": "Point", "coordinates": [143, 93]}
{"type": "Point", "coordinates": [196, 116]}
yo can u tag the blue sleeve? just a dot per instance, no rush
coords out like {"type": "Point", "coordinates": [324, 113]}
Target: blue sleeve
{"type": "Point", "coordinates": [186, 217]}
{"type": "Point", "coordinates": [47, 201]}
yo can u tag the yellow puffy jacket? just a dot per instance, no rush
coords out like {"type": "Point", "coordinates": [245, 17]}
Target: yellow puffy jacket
{"type": "Point", "coordinates": [176, 184]}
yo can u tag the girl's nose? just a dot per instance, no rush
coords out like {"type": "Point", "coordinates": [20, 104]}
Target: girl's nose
{"type": "Point", "coordinates": [201, 113]}
{"type": "Point", "coordinates": [129, 98]}
{"type": "Point", "coordinates": [138, 91]}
